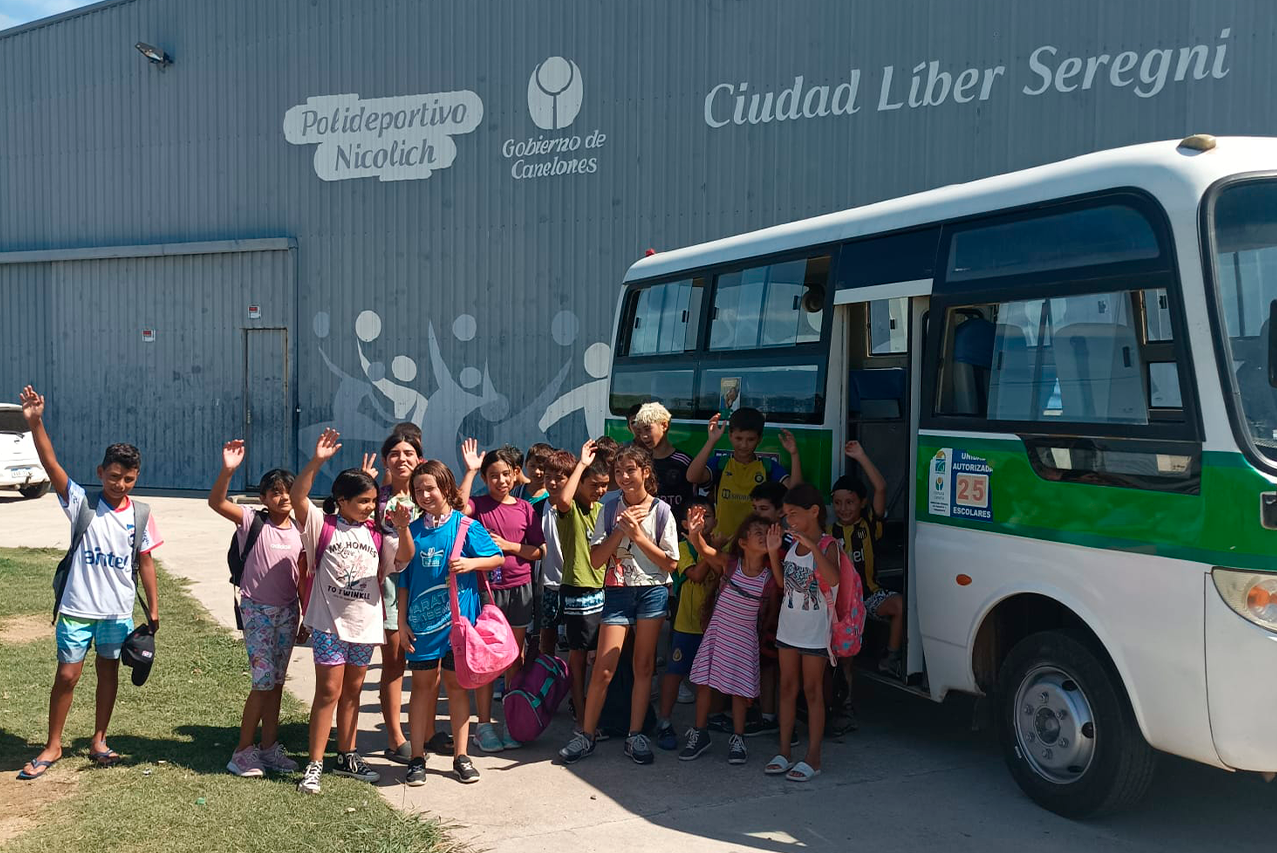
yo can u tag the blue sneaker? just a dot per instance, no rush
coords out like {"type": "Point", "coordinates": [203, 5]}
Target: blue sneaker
{"type": "Point", "coordinates": [665, 737]}
{"type": "Point", "coordinates": [581, 746]}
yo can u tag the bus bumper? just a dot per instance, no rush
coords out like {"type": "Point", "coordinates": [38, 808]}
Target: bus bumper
{"type": "Point", "coordinates": [1241, 658]}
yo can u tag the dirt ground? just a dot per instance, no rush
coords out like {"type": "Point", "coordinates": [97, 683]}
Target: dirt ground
{"type": "Point", "coordinates": [24, 629]}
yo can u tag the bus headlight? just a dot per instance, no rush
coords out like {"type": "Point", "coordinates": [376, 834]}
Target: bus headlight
{"type": "Point", "coordinates": [1252, 596]}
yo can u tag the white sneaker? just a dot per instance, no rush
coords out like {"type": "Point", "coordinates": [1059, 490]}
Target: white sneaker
{"type": "Point", "coordinates": [310, 780]}
{"type": "Point", "coordinates": [247, 763]}
{"type": "Point", "coordinates": [686, 695]}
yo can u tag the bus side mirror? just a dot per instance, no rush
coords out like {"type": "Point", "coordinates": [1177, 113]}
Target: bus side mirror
{"type": "Point", "coordinates": [1272, 343]}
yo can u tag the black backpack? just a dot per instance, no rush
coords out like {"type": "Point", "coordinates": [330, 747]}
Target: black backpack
{"type": "Point", "coordinates": [235, 556]}
{"type": "Point", "coordinates": [88, 511]}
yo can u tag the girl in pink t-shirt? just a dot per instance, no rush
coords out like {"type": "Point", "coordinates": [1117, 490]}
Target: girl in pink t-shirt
{"type": "Point", "coordinates": [516, 530]}
{"type": "Point", "coordinates": [344, 612]}
{"type": "Point", "coordinates": [268, 606]}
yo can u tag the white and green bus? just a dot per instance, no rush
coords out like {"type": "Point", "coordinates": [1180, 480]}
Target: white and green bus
{"type": "Point", "coordinates": [1067, 377]}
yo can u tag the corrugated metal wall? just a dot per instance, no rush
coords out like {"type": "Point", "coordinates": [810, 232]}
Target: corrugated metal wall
{"type": "Point", "coordinates": [475, 301]}
{"type": "Point", "coordinates": [147, 350]}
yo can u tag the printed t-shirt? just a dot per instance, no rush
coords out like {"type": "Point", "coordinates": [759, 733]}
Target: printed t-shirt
{"type": "Point", "coordinates": [346, 596]}
{"type": "Point", "coordinates": [514, 522]}
{"type": "Point", "coordinates": [270, 569]}
{"type": "Point", "coordinates": [426, 580]}
{"type": "Point", "coordinates": [100, 581]}
{"type": "Point", "coordinates": [576, 527]}
{"type": "Point", "coordinates": [732, 483]}
{"type": "Point", "coordinates": [552, 562]}
{"type": "Point", "coordinates": [671, 480]}
{"type": "Point", "coordinates": [691, 594]}
{"type": "Point", "coordinates": [630, 566]}
{"type": "Point", "coordinates": [858, 539]}
{"type": "Point", "coordinates": [804, 612]}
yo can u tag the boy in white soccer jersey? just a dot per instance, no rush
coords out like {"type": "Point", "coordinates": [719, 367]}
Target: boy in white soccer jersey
{"type": "Point", "coordinates": [95, 599]}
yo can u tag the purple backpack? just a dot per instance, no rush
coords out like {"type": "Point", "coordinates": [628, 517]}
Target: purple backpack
{"type": "Point", "coordinates": [534, 695]}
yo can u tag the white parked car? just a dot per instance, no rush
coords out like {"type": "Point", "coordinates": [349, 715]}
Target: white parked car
{"type": "Point", "coordinates": [19, 465]}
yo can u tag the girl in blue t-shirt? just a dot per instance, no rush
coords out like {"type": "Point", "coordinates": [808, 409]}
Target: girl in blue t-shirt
{"type": "Point", "coordinates": [425, 614]}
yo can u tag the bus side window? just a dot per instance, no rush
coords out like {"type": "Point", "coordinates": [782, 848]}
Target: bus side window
{"type": "Point", "coordinates": [1079, 358]}
{"type": "Point", "coordinates": [662, 318]}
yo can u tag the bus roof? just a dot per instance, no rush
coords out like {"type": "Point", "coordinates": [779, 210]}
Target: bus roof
{"type": "Point", "coordinates": [1158, 167]}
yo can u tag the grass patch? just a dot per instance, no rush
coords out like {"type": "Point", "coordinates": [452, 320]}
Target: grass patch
{"type": "Point", "coordinates": [172, 791]}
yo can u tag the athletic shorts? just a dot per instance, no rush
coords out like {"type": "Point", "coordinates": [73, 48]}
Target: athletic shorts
{"type": "Point", "coordinates": [874, 601]}
{"type": "Point", "coordinates": [814, 653]}
{"type": "Point", "coordinates": [269, 635]}
{"type": "Point", "coordinates": [75, 635]}
{"type": "Point", "coordinates": [683, 648]}
{"type": "Point", "coordinates": [447, 662]}
{"type": "Point", "coordinates": [549, 609]}
{"type": "Point", "coordinates": [331, 650]}
{"type": "Point", "coordinates": [626, 605]}
{"type": "Point", "coordinates": [582, 614]}
{"type": "Point", "coordinates": [516, 604]}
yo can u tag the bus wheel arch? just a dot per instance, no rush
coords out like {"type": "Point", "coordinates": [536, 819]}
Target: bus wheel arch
{"type": "Point", "coordinates": [1064, 720]}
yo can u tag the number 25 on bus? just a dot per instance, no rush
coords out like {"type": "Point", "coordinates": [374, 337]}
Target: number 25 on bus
{"type": "Point", "coordinates": [1068, 379]}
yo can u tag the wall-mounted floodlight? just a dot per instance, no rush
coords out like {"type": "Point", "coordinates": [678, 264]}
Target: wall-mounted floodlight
{"type": "Point", "coordinates": [154, 54]}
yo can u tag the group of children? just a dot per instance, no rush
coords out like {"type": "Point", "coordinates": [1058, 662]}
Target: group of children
{"type": "Point", "coordinates": [593, 551]}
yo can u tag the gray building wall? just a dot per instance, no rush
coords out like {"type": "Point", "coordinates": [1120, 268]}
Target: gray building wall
{"type": "Point", "coordinates": [475, 301]}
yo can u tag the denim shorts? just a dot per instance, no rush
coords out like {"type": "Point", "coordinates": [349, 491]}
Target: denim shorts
{"type": "Point", "coordinates": [625, 605]}
{"type": "Point", "coordinates": [75, 635]}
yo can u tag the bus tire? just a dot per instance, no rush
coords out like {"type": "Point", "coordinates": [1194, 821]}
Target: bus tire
{"type": "Point", "coordinates": [1067, 731]}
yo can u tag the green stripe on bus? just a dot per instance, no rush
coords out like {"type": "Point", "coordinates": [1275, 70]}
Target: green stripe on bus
{"type": "Point", "coordinates": [1219, 526]}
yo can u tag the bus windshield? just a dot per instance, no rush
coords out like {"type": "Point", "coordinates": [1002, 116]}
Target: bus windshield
{"type": "Point", "coordinates": [1245, 223]}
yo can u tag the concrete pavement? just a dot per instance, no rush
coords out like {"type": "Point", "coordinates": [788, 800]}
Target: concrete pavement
{"type": "Point", "coordinates": [914, 777]}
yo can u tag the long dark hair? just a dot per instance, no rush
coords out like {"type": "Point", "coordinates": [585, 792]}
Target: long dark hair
{"type": "Point", "coordinates": [402, 433]}
{"type": "Point", "coordinates": [443, 479]}
{"type": "Point", "coordinates": [350, 483]}
{"type": "Point", "coordinates": [640, 457]}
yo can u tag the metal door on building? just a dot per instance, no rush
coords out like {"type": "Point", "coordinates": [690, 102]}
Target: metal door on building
{"type": "Point", "coordinates": [268, 404]}
{"type": "Point", "coordinates": [161, 347]}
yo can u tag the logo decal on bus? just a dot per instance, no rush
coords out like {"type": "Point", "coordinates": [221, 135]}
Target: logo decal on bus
{"type": "Point", "coordinates": [961, 485]}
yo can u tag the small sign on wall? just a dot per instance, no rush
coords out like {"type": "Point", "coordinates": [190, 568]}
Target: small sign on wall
{"type": "Point", "coordinates": [254, 312]}
{"type": "Point", "coordinates": [148, 336]}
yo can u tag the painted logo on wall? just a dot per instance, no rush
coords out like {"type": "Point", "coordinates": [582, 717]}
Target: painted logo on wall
{"type": "Point", "coordinates": [555, 95]}
{"type": "Point", "coordinates": [555, 92]}
{"type": "Point", "coordinates": [402, 138]}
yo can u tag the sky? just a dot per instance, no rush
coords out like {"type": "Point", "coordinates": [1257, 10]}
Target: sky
{"type": "Point", "coordinates": [14, 12]}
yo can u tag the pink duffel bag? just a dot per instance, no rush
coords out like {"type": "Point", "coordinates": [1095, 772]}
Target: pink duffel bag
{"type": "Point", "coordinates": [485, 649]}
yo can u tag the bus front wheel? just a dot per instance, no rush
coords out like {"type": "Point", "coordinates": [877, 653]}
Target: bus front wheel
{"type": "Point", "coordinates": [1067, 730]}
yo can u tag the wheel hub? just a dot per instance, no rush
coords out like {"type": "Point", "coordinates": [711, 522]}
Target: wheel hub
{"type": "Point", "coordinates": [1054, 726]}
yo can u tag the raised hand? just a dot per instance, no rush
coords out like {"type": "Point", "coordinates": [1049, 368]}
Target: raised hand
{"type": "Point", "coordinates": [854, 450]}
{"type": "Point", "coordinates": [233, 454]}
{"type": "Point", "coordinates": [716, 427]}
{"type": "Point", "coordinates": [32, 404]}
{"type": "Point", "coordinates": [369, 465]}
{"type": "Point", "coordinates": [589, 451]}
{"type": "Point", "coordinates": [695, 520]}
{"type": "Point", "coordinates": [788, 442]}
{"type": "Point", "coordinates": [470, 454]}
{"type": "Point", "coordinates": [327, 445]}
{"type": "Point", "coordinates": [775, 536]}
{"type": "Point", "coordinates": [401, 516]}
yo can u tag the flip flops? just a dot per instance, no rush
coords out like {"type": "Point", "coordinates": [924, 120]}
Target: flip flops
{"type": "Point", "coordinates": [105, 758]}
{"type": "Point", "coordinates": [36, 764]}
{"type": "Point", "coordinates": [802, 772]}
{"type": "Point", "coordinates": [777, 766]}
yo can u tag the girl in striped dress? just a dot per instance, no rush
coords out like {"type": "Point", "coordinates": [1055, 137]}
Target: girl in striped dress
{"type": "Point", "coordinates": [727, 660]}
